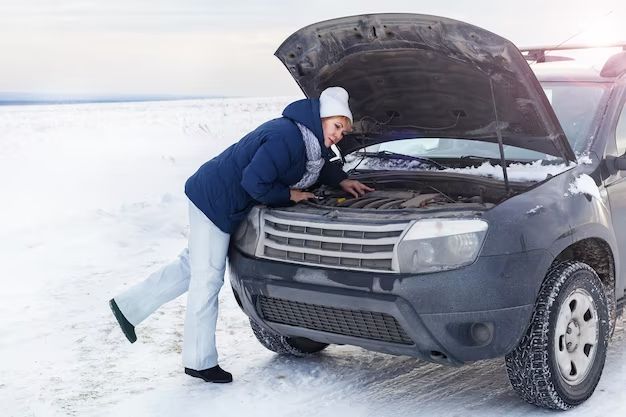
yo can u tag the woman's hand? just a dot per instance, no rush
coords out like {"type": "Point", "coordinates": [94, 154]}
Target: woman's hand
{"type": "Point", "coordinates": [297, 195]}
{"type": "Point", "coordinates": [354, 187]}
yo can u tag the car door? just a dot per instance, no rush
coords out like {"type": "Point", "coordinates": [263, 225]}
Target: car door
{"type": "Point", "coordinates": [616, 188]}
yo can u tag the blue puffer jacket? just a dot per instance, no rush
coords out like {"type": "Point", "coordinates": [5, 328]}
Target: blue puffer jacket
{"type": "Point", "coordinates": [260, 168]}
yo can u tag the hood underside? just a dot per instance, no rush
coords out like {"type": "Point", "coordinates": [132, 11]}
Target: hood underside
{"type": "Point", "coordinates": [414, 75]}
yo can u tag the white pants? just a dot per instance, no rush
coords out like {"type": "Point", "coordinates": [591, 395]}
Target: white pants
{"type": "Point", "coordinates": [199, 270]}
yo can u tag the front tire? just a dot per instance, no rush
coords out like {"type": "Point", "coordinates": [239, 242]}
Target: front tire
{"type": "Point", "coordinates": [294, 346]}
{"type": "Point", "coordinates": [559, 361]}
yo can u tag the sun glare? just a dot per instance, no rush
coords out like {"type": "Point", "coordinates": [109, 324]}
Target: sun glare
{"type": "Point", "coordinates": [598, 33]}
{"type": "Point", "coordinates": [605, 30]}
{"type": "Point", "coordinates": [601, 35]}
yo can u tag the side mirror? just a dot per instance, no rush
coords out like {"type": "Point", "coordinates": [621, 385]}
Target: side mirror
{"type": "Point", "coordinates": [619, 163]}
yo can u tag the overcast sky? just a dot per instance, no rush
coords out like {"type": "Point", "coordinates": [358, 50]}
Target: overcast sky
{"type": "Point", "coordinates": [207, 47]}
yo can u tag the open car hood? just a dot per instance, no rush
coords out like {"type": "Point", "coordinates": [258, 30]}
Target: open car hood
{"type": "Point", "coordinates": [411, 75]}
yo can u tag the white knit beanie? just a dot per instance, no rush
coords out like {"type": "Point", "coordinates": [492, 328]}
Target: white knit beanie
{"type": "Point", "coordinates": [334, 102]}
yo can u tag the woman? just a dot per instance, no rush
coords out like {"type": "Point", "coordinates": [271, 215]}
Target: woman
{"type": "Point", "coordinates": [270, 165]}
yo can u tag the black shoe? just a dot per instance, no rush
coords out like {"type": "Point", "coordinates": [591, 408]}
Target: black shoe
{"type": "Point", "coordinates": [215, 374]}
{"type": "Point", "coordinates": [127, 328]}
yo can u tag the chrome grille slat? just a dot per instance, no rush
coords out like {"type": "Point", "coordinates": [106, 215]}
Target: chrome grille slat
{"type": "Point", "coordinates": [358, 255]}
{"type": "Point", "coordinates": [343, 239]}
{"type": "Point", "coordinates": [368, 247]}
{"type": "Point", "coordinates": [356, 247]}
{"type": "Point", "coordinates": [397, 227]}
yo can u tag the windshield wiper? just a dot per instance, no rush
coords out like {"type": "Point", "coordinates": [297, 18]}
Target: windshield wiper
{"type": "Point", "coordinates": [493, 161]}
{"type": "Point", "coordinates": [394, 155]}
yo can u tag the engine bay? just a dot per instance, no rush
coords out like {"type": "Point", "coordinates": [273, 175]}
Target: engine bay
{"type": "Point", "coordinates": [399, 193]}
{"type": "Point", "coordinates": [395, 199]}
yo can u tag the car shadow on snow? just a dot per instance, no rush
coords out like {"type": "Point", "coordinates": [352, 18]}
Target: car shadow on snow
{"type": "Point", "coordinates": [380, 380]}
{"type": "Point", "coordinates": [398, 385]}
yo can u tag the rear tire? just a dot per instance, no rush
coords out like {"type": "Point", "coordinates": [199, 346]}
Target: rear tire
{"type": "Point", "coordinates": [559, 361]}
{"type": "Point", "coordinates": [294, 346]}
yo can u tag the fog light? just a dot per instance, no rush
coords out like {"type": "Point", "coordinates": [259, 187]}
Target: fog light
{"type": "Point", "coordinates": [481, 333]}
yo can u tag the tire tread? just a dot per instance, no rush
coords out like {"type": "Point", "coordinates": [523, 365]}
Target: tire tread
{"type": "Point", "coordinates": [528, 364]}
{"type": "Point", "coordinates": [278, 343]}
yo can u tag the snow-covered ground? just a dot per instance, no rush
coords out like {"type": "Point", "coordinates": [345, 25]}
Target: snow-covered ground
{"type": "Point", "coordinates": [92, 202]}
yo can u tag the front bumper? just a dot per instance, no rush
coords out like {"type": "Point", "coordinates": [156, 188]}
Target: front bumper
{"type": "Point", "coordinates": [477, 312]}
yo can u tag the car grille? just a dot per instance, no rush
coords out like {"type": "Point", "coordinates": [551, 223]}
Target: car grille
{"type": "Point", "coordinates": [364, 247]}
{"type": "Point", "coordinates": [364, 324]}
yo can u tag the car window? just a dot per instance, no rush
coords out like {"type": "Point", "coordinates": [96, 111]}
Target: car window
{"type": "Point", "coordinates": [576, 105]}
{"type": "Point", "coordinates": [620, 132]}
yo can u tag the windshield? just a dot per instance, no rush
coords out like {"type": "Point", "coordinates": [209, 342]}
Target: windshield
{"type": "Point", "coordinates": [576, 106]}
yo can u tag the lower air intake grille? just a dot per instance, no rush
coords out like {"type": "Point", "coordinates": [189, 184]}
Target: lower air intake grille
{"type": "Point", "coordinates": [364, 324]}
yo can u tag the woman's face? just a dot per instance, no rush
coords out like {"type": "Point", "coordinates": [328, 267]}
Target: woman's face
{"type": "Point", "coordinates": [334, 128]}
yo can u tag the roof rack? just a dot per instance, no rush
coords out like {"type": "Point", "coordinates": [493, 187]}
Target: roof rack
{"type": "Point", "coordinates": [538, 53]}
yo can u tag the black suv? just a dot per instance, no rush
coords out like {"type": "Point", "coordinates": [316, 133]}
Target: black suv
{"type": "Point", "coordinates": [498, 223]}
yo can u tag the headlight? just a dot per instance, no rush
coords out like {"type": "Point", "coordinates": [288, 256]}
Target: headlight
{"type": "Point", "coordinates": [440, 244]}
{"type": "Point", "coordinates": [246, 236]}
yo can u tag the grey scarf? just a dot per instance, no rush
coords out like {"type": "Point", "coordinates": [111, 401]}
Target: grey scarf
{"type": "Point", "coordinates": [314, 162]}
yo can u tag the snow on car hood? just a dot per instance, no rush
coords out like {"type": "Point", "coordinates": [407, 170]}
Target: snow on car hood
{"type": "Point", "coordinates": [413, 75]}
{"type": "Point", "coordinates": [522, 172]}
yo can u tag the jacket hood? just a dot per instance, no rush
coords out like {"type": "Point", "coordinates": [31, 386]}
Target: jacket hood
{"type": "Point", "coordinates": [419, 76]}
{"type": "Point", "coordinates": [307, 113]}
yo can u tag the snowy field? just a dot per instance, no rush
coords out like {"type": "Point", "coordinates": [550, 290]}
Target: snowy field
{"type": "Point", "coordinates": [93, 202]}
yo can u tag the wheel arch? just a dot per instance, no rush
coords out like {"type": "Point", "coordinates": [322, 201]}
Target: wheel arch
{"type": "Point", "coordinates": [598, 254]}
